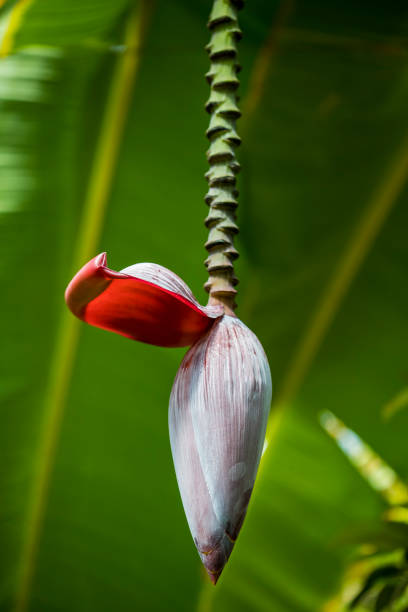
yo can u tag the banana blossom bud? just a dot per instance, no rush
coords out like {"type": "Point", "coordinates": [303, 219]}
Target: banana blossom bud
{"type": "Point", "coordinates": [220, 399]}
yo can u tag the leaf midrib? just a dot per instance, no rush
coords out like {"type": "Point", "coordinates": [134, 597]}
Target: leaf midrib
{"type": "Point", "coordinates": [101, 176]}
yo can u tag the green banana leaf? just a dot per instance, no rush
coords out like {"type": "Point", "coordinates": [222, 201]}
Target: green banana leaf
{"type": "Point", "coordinates": [102, 148]}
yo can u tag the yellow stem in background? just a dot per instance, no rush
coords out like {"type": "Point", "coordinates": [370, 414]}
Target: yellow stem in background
{"type": "Point", "coordinates": [350, 262]}
{"type": "Point", "coordinates": [14, 21]}
{"type": "Point", "coordinates": [397, 403]}
{"type": "Point", "coordinates": [103, 166]}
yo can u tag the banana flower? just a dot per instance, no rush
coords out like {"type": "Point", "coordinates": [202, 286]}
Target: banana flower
{"type": "Point", "coordinates": [220, 399]}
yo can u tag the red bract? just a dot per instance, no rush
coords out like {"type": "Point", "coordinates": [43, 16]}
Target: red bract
{"type": "Point", "coordinates": [145, 302]}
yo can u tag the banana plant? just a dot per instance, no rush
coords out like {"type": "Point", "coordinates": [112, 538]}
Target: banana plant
{"type": "Point", "coordinates": [102, 149]}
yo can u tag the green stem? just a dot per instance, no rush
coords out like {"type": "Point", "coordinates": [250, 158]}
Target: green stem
{"type": "Point", "coordinates": [223, 108]}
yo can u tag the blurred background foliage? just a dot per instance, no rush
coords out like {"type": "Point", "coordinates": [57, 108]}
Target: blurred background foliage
{"type": "Point", "coordinates": [102, 148]}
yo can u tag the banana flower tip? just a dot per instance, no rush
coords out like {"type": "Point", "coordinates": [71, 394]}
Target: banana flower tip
{"type": "Point", "coordinates": [213, 577]}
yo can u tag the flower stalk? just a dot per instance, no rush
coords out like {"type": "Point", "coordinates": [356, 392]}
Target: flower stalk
{"type": "Point", "coordinates": [222, 196]}
{"type": "Point", "coordinates": [220, 400]}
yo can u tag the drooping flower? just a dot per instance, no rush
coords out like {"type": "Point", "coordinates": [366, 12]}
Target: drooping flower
{"type": "Point", "coordinates": [219, 407]}
{"type": "Point", "coordinates": [220, 399]}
